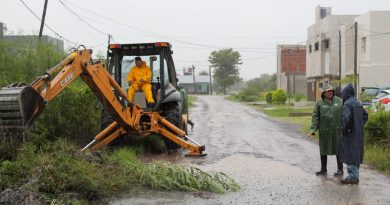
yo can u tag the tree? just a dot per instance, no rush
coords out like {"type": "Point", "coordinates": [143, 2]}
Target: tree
{"type": "Point", "coordinates": [225, 63]}
{"type": "Point", "coordinates": [266, 82]}
{"type": "Point", "coordinates": [203, 72]}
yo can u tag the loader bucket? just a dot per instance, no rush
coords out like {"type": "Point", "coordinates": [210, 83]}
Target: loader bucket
{"type": "Point", "coordinates": [19, 107]}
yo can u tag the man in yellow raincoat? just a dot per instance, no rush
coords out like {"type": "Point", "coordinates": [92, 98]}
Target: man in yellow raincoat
{"type": "Point", "coordinates": [139, 77]}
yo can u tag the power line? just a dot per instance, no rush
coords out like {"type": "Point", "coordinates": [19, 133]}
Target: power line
{"type": "Point", "coordinates": [151, 33]}
{"type": "Point", "coordinates": [144, 31]}
{"type": "Point", "coordinates": [81, 19]}
{"type": "Point", "coordinates": [36, 16]}
{"type": "Point", "coordinates": [251, 59]}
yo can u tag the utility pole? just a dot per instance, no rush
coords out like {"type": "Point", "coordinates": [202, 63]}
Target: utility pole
{"type": "Point", "coordinates": [288, 76]}
{"type": "Point", "coordinates": [193, 76]}
{"type": "Point", "coordinates": [355, 60]}
{"type": "Point", "coordinates": [43, 19]}
{"type": "Point", "coordinates": [108, 48]}
{"type": "Point", "coordinates": [339, 59]}
{"type": "Point", "coordinates": [211, 84]}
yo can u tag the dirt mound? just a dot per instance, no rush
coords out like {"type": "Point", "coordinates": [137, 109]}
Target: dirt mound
{"type": "Point", "coordinates": [20, 196]}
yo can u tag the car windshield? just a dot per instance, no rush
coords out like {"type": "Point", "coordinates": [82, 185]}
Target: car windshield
{"type": "Point", "coordinates": [381, 95]}
{"type": "Point", "coordinates": [370, 91]}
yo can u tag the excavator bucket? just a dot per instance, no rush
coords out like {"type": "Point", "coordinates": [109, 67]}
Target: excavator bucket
{"type": "Point", "coordinates": [19, 107]}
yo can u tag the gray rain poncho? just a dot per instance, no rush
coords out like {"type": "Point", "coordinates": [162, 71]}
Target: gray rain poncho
{"type": "Point", "coordinates": [353, 119]}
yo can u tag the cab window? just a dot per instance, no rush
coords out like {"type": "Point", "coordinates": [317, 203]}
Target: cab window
{"type": "Point", "coordinates": [153, 62]}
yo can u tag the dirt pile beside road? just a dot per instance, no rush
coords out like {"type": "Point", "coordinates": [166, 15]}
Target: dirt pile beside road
{"type": "Point", "coordinates": [20, 196]}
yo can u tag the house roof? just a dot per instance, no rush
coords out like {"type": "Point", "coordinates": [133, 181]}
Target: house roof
{"type": "Point", "coordinates": [188, 79]}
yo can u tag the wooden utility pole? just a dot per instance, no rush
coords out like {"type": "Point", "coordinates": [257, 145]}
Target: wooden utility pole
{"type": "Point", "coordinates": [211, 84]}
{"type": "Point", "coordinates": [339, 59]}
{"type": "Point", "coordinates": [43, 19]}
{"type": "Point", "coordinates": [108, 48]}
{"type": "Point", "coordinates": [355, 60]}
{"type": "Point", "coordinates": [288, 76]}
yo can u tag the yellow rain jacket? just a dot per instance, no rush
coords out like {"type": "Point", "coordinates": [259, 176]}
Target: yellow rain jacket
{"type": "Point", "coordinates": [135, 76]}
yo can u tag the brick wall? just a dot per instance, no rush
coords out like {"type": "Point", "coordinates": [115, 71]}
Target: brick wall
{"type": "Point", "coordinates": [293, 60]}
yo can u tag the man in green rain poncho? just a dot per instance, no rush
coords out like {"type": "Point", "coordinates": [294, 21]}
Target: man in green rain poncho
{"type": "Point", "coordinates": [326, 119]}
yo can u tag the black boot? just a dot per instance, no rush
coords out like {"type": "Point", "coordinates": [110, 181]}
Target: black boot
{"type": "Point", "coordinates": [324, 161]}
{"type": "Point", "coordinates": [150, 105]}
{"type": "Point", "coordinates": [340, 171]}
{"type": "Point", "coordinates": [191, 123]}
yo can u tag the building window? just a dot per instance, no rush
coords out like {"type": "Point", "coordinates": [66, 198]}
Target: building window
{"type": "Point", "coordinates": [364, 44]}
{"type": "Point", "coordinates": [316, 46]}
{"type": "Point", "coordinates": [323, 12]}
{"type": "Point", "coordinates": [310, 48]}
{"type": "Point", "coordinates": [326, 43]}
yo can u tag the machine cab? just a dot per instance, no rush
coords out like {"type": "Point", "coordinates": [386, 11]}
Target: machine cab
{"type": "Point", "coordinates": [157, 56]}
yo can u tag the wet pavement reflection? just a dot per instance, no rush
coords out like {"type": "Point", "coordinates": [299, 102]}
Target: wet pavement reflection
{"type": "Point", "coordinates": [273, 162]}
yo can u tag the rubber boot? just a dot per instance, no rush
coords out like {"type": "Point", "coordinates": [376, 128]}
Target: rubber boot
{"type": "Point", "coordinates": [324, 161]}
{"type": "Point", "coordinates": [191, 123]}
{"type": "Point", "coordinates": [340, 171]}
{"type": "Point", "coordinates": [150, 105]}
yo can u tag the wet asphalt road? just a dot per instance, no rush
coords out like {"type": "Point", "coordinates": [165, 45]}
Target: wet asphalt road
{"type": "Point", "coordinates": [273, 162]}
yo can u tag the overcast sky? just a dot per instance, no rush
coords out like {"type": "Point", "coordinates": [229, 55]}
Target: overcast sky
{"type": "Point", "coordinates": [194, 27]}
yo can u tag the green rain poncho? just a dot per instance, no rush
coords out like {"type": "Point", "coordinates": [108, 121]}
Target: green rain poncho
{"type": "Point", "coordinates": [326, 118]}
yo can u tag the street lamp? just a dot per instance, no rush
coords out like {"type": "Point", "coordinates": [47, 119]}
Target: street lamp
{"type": "Point", "coordinates": [193, 76]}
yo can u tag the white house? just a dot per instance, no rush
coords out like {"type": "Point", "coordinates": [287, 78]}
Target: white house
{"type": "Point", "coordinates": [322, 51]}
{"type": "Point", "coordinates": [373, 48]}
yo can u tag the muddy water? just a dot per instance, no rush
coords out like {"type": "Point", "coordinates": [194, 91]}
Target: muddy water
{"type": "Point", "coordinates": [273, 162]}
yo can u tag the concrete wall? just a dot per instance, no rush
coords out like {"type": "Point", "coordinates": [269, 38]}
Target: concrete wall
{"type": "Point", "coordinates": [373, 57]}
{"type": "Point", "coordinates": [347, 49]}
{"type": "Point", "coordinates": [322, 64]}
{"type": "Point", "coordinates": [300, 84]}
{"type": "Point", "coordinates": [282, 81]}
{"type": "Point", "coordinates": [374, 75]}
{"type": "Point", "coordinates": [325, 61]}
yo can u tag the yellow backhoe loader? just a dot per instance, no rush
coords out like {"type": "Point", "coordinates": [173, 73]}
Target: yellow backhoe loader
{"type": "Point", "coordinates": [21, 104]}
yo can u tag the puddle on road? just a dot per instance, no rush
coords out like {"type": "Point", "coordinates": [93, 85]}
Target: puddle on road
{"type": "Point", "coordinates": [266, 181]}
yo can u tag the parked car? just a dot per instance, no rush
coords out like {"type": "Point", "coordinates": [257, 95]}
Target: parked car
{"type": "Point", "coordinates": [382, 99]}
{"type": "Point", "coordinates": [369, 93]}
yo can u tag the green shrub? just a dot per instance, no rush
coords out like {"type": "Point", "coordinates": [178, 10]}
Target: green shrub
{"type": "Point", "coordinates": [262, 96]}
{"type": "Point", "coordinates": [22, 62]}
{"type": "Point", "coordinates": [268, 97]}
{"type": "Point", "coordinates": [378, 128]}
{"type": "Point", "coordinates": [57, 169]}
{"type": "Point", "coordinates": [248, 98]}
{"type": "Point", "coordinates": [279, 97]}
{"type": "Point", "coordinates": [73, 114]}
{"type": "Point", "coordinates": [298, 98]}
{"type": "Point", "coordinates": [379, 157]}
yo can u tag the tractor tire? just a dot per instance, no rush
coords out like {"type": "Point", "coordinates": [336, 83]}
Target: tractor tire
{"type": "Point", "coordinates": [106, 119]}
{"type": "Point", "coordinates": [105, 122]}
{"type": "Point", "coordinates": [171, 112]}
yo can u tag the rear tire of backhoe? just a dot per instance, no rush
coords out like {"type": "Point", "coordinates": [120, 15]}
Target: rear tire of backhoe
{"type": "Point", "coordinates": [106, 121]}
{"type": "Point", "coordinates": [171, 112]}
